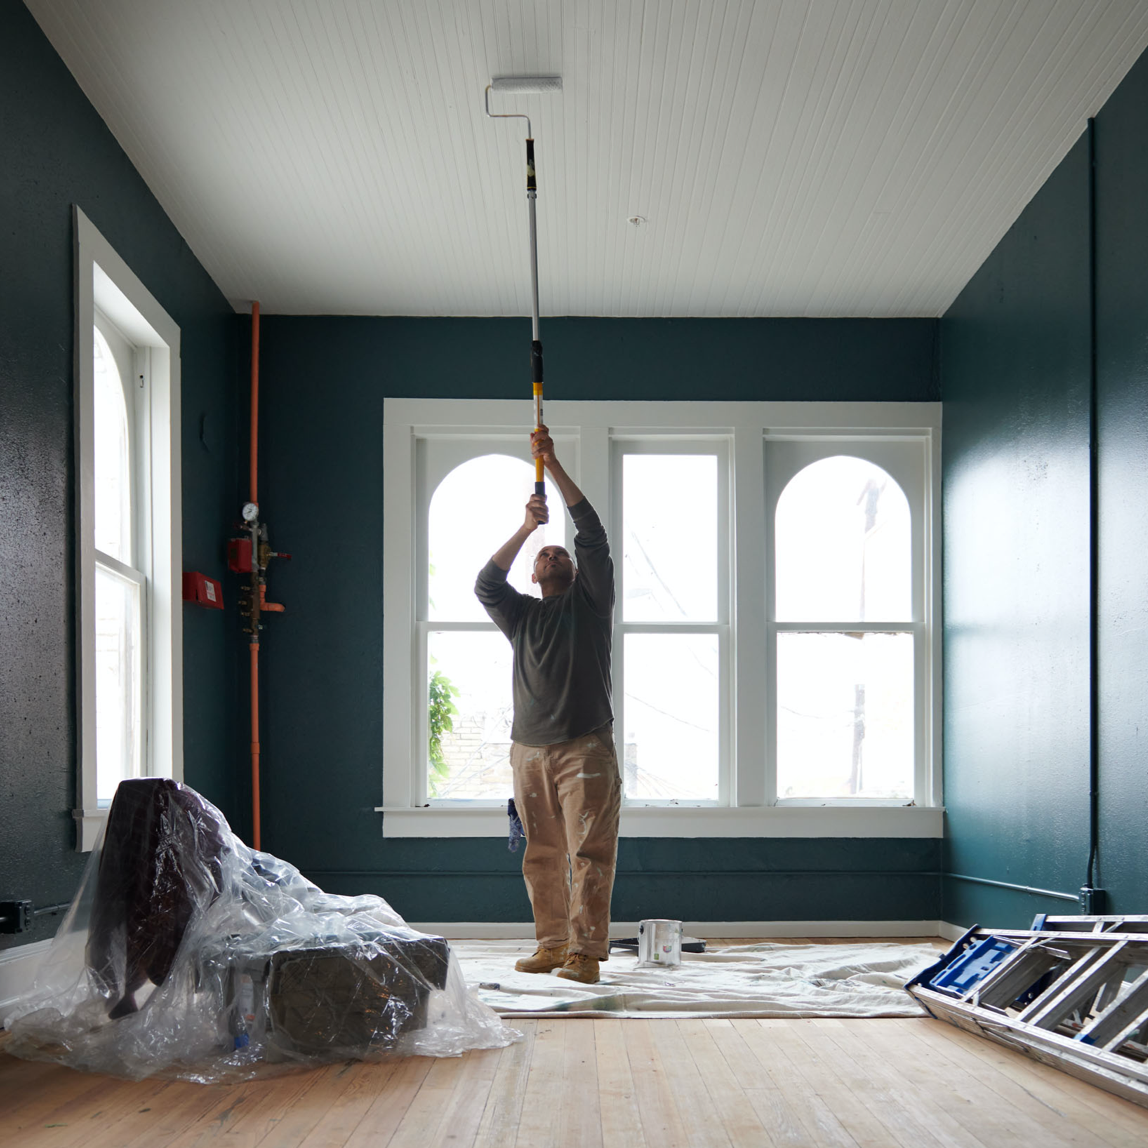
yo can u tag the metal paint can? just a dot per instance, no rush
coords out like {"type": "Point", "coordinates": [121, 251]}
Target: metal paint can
{"type": "Point", "coordinates": [659, 942]}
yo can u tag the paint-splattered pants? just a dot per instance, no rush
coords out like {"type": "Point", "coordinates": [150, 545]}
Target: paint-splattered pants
{"type": "Point", "coordinates": [569, 797]}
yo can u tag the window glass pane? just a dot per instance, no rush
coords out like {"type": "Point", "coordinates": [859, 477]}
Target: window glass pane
{"type": "Point", "coordinates": [113, 489]}
{"type": "Point", "coordinates": [470, 712]}
{"type": "Point", "coordinates": [670, 748]}
{"type": "Point", "coordinates": [843, 550]}
{"type": "Point", "coordinates": [845, 715]}
{"type": "Point", "coordinates": [669, 507]}
{"type": "Point", "coordinates": [117, 681]}
{"type": "Point", "coordinates": [475, 509]}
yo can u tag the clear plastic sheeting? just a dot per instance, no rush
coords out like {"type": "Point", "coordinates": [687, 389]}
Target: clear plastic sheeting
{"type": "Point", "coordinates": [189, 955]}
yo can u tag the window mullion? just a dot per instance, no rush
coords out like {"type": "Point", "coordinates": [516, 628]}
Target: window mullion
{"type": "Point", "coordinates": [120, 569]}
{"type": "Point", "coordinates": [849, 627]}
{"type": "Point", "coordinates": [751, 757]}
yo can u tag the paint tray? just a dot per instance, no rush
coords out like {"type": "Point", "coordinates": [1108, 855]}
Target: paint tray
{"type": "Point", "coordinates": [972, 966]}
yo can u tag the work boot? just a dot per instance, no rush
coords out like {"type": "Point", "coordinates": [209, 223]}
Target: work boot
{"type": "Point", "coordinates": [579, 967]}
{"type": "Point", "coordinates": [543, 961]}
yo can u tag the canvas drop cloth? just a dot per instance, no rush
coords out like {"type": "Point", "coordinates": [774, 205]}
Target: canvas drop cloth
{"type": "Point", "coordinates": [760, 980]}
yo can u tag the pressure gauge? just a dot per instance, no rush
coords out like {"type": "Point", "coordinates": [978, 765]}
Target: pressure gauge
{"type": "Point", "coordinates": [250, 512]}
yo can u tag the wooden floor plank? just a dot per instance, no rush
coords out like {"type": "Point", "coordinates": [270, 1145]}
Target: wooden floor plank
{"type": "Point", "coordinates": [254, 1111]}
{"type": "Point", "coordinates": [1101, 1117]}
{"type": "Point", "coordinates": [1043, 1116]}
{"type": "Point", "coordinates": [816, 1114]}
{"type": "Point", "coordinates": [538, 1121]}
{"type": "Point", "coordinates": [79, 1095]}
{"type": "Point", "coordinates": [1088, 1099]}
{"type": "Point", "coordinates": [421, 1121]}
{"type": "Point", "coordinates": [580, 1115]}
{"type": "Point", "coordinates": [300, 1117]}
{"type": "Point", "coordinates": [949, 1090]}
{"type": "Point", "coordinates": [135, 1116]}
{"type": "Point", "coordinates": [701, 1122]}
{"type": "Point", "coordinates": [464, 1109]}
{"type": "Point", "coordinates": [22, 1079]}
{"type": "Point", "coordinates": [617, 1100]}
{"type": "Point", "coordinates": [185, 1105]}
{"type": "Point", "coordinates": [912, 1114]}
{"type": "Point", "coordinates": [909, 1114]}
{"type": "Point", "coordinates": [657, 1106]}
{"type": "Point", "coordinates": [393, 1097]}
{"type": "Point", "coordinates": [361, 1083]}
{"type": "Point", "coordinates": [450, 1103]}
{"type": "Point", "coordinates": [805, 1048]}
{"type": "Point", "coordinates": [48, 1093]}
{"type": "Point", "coordinates": [743, 1127]}
{"type": "Point", "coordinates": [82, 1118]}
{"type": "Point", "coordinates": [498, 1126]}
{"type": "Point", "coordinates": [776, 1109]}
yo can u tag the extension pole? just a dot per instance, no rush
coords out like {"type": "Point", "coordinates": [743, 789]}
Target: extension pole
{"type": "Point", "coordinates": [529, 84]}
{"type": "Point", "coordinates": [535, 342]}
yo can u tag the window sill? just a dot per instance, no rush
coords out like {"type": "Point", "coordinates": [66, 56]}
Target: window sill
{"type": "Point", "coordinates": [89, 825]}
{"type": "Point", "coordinates": [760, 821]}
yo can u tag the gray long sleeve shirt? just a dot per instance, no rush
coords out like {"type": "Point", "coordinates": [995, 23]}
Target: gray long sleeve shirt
{"type": "Point", "coordinates": [561, 644]}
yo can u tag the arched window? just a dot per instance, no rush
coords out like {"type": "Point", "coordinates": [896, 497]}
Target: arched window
{"type": "Point", "coordinates": [473, 509]}
{"type": "Point", "coordinates": [120, 583]}
{"type": "Point", "coordinates": [129, 619]}
{"type": "Point", "coordinates": [844, 633]}
{"type": "Point", "coordinates": [843, 535]}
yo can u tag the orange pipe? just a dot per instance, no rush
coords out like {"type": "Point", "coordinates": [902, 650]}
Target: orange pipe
{"type": "Point", "coordinates": [255, 403]}
{"type": "Point", "coordinates": [255, 745]}
{"type": "Point", "coordinates": [255, 810]}
{"type": "Point", "coordinates": [273, 607]}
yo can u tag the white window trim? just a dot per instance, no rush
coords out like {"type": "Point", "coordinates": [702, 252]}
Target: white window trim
{"type": "Point", "coordinates": [103, 279]}
{"type": "Point", "coordinates": [745, 424]}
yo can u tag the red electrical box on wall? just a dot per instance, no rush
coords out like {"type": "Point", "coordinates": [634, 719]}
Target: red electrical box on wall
{"type": "Point", "coordinates": [201, 590]}
{"type": "Point", "coordinates": [239, 555]}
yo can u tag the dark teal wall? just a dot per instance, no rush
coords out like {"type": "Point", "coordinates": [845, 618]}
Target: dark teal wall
{"type": "Point", "coordinates": [1122, 391]}
{"type": "Point", "coordinates": [1016, 351]}
{"type": "Point", "coordinates": [323, 381]}
{"type": "Point", "coordinates": [55, 151]}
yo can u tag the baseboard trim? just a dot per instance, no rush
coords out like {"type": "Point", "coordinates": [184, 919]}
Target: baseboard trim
{"type": "Point", "coordinates": [951, 932]}
{"type": "Point", "coordinates": [764, 930]}
{"type": "Point", "coordinates": [18, 968]}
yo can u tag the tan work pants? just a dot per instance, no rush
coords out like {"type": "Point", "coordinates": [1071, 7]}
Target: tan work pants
{"type": "Point", "coordinates": [569, 797]}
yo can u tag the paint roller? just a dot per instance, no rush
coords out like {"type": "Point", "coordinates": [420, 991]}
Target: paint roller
{"type": "Point", "coordinates": [529, 85]}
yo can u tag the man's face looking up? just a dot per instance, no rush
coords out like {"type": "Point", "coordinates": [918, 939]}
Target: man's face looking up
{"type": "Point", "coordinates": [553, 570]}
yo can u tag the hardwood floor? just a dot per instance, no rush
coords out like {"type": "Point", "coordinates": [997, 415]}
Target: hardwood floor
{"type": "Point", "coordinates": [577, 1083]}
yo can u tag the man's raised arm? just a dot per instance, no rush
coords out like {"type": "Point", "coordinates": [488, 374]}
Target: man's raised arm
{"type": "Point", "coordinates": [542, 446]}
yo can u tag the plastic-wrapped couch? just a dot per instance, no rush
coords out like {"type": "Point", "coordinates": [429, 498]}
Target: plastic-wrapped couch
{"type": "Point", "coordinates": [187, 954]}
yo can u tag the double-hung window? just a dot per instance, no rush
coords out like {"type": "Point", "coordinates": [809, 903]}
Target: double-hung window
{"type": "Point", "coordinates": [774, 657]}
{"type": "Point", "coordinates": [128, 530]}
{"type": "Point", "coordinates": [671, 641]}
{"type": "Point", "coordinates": [846, 612]}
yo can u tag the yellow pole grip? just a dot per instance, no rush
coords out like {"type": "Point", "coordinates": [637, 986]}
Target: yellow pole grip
{"type": "Point", "coordinates": [539, 468]}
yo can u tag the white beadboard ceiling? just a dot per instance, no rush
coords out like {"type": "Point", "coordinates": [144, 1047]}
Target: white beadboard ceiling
{"type": "Point", "coordinates": [788, 157]}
